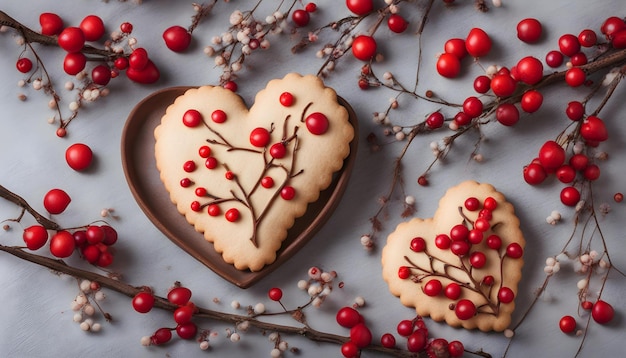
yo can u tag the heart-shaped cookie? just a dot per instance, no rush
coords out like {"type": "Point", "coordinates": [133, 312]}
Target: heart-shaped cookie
{"type": "Point", "coordinates": [242, 176]}
{"type": "Point", "coordinates": [463, 265]}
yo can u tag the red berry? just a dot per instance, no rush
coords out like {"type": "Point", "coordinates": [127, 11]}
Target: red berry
{"type": "Point", "coordinates": [514, 250]}
{"type": "Point", "coordinates": [448, 65]}
{"type": "Point", "coordinates": [310, 7]}
{"type": "Point", "coordinates": [554, 59]}
{"type": "Point", "coordinates": [161, 336]}
{"type": "Point", "coordinates": [177, 38]}
{"type": "Point", "coordinates": [360, 7]}
{"type": "Point", "coordinates": [92, 27]}
{"type": "Point", "coordinates": [611, 26]}
{"type": "Point", "coordinates": [138, 59]}
{"type": "Point", "coordinates": [453, 291]}
{"type": "Point", "coordinates": [56, 201]}
{"type": "Point", "coordinates": [126, 27]}
{"type": "Point", "coordinates": [183, 314]}
{"type": "Point", "coordinates": [478, 259]}
{"type": "Point", "coordinates": [473, 107]}
{"type": "Point", "coordinates": [435, 120]}
{"type": "Point", "coordinates": [361, 335]}
{"type": "Point", "coordinates": [455, 47]}
{"type": "Point", "coordinates": [387, 340]}
{"type": "Point", "coordinates": [602, 312]}
{"type": "Point", "coordinates": [300, 17]}
{"type": "Point", "coordinates": [570, 196]}
{"type": "Point", "coordinates": [187, 330]}
{"type": "Point", "coordinates": [349, 350]}
{"type": "Point", "coordinates": [477, 43]}
{"type": "Point", "coordinates": [78, 156]}
{"type": "Point", "coordinates": [494, 242]}
{"type": "Point", "coordinates": [259, 137]}
{"type": "Point", "coordinates": [456, 349]}
{"type": "Point", "coordinates": [24, 65]}
{"type": "Point", "coordinates": [404, 272]}
{"type": "Point", "coordinates": [567, 324]}
{"type": "Point", "coordinates": [465, 309]}
{"type": "Point", "coordinates": [507, 114]}
{"type": "Point", "coordinates": [432, 288]}
{"type": "Point", "coordinates": [530, 70]}
{"type": "Point", "coordinates": [149, 74]}
{"type": "Point", "coordinates": [95, 234]}
{"type": "Point", "coordinates": [364, 47]}
{"type": "Point", "coordinates": [91, 253]}
{"type": "Point", "coordinates": [278, 150]}
{"type": "Point", "coordinates": [575, 77]}
{"type": "Point", "coordinates": [143, 302]}
{"type": "Point", "coordinates": [348, 317]}
{"type": "Point", "coordinates": [287, 192]}
{"type": "Point", "coordinates": [62, 244]}
{"type": "Point", "coordinates": [405, 328]}
{"type": "Point", "coordinates": [578, 59]}
{"type": "Point", "coordinates": [587, 38]}
{"type": "Point", "coordinates": [506, 295]}
{"type": "Point", "coordinates": [475, 236]}
{"type": "Point", "coordinates": [286, 99]}
{"type": "Point", "coordinates": [179, 295]}
{"type": "Point", "coordinates": [204, 151]}
{"type": "Point", "coordinates": [503, 85]}
{"type": "Point", "coordinates": [317, 123]}
{"type": "Point", "coordinates": [575, 110]}
{"type": "Point", "coordinates": [71, 39]}
{"type": "Point", "coordinates": [51, 24]}
{"type": "Point", "coordinates": [529, 30]}
{"type": "Point", "coordinates": [531, 101]}
{"type": "Point", "coordinates": [566, 174]}
{"type": "Point", "coordinates": [275, 294]}
{"type": "Point", "coordinates": [459, 232]}
{"type": "Point", "coordinates": [593, 129]}
{"type": "Point", "coordinates": [579, 161]}
{"type": "Point", "coordinates": [418, 244]}
{"type": "Point", "coordinates": [101, 75]}
{"type": "Point", "coordinates": [551, 155]}
{"type": "Point", "coordinates": [232, 215]}
{"type": "Point", "coordinates": [397, 23]}
{"type": "Point", "coordinates": [472, 203]}
{"type": "Point", "coordinates": [74, 62]}
{"type": "Point", "coordinates": [267, 182]}
{"type": "Point", "coordinates": [569, 45]}
{"type": "Point", "coordinates": [482, 84]}
{"type": "Point", "coordinates": [591, 172]}
{"type": "Point", "coordinates": [459, 248]}
{"type": "Point", "coordinates": [416, 341]}
{"type": "Point", "coordinates": [35, 237]}
{"type": "Point", "coordinates": [219, 116]}
{"type": "Point", "coordinates": [442, 241]}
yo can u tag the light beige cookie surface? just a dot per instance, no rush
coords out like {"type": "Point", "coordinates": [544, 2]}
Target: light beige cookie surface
{"type": "Point", "coordinates": [243, 176]}
{"type": "Point", "coordinates": [478, 278]}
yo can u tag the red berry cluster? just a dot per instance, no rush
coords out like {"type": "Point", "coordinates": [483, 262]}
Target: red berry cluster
{"type": "Point", "coordinates": [477, 44]}
{"type": "Point", "coordinates": [180, 296]}
{"type": "Point", "coordinates": [364, 47]}
{"type": "Point", "coordinates": [415, 332]}
{"type": "Point", "coordinates": [73, 40]}
{"type": "Point", "coordinates": [93, 241]}
{"type": "Point", "coordinates": [601, 311]}
{"type": "Point", "coordinates": [466, 241]}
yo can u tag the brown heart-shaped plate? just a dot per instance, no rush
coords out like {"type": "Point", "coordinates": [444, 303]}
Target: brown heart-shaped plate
{"type": "Point", "coordinates": [141, 173]}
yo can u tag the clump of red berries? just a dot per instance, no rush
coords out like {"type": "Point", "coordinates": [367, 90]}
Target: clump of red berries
{"type": "Point", "coordinates": [93, 241]}
{"type": "Point", "coordinates": [185, 328]}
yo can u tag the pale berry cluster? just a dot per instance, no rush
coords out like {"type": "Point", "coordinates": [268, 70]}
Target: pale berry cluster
{"type": "Point", "coordinates": [318, 285]}
{"type": "Point", "coordinates": [245, 35]}
{"type": "Point", "coordinates": [85, 309]}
